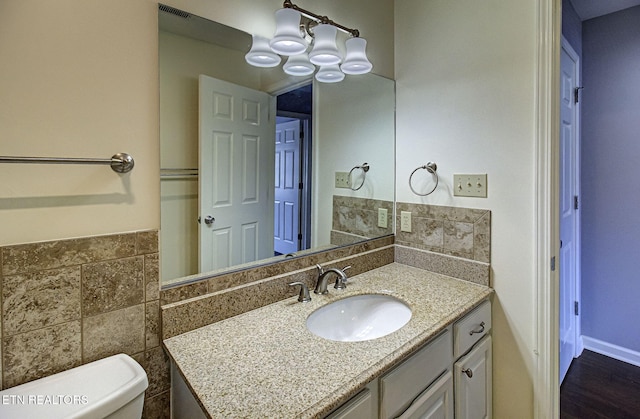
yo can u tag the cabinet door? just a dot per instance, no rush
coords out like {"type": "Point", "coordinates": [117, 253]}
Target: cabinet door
{"type": "Point", "coordinates": [473, 382]}
{"type": "Point", "coordinates": [436, 402]}
{"type": "Point", "coordinates": [360, 406]}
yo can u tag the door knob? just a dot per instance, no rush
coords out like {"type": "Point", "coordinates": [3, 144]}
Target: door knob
{"type": "Point", "coordinates": [208, 220]}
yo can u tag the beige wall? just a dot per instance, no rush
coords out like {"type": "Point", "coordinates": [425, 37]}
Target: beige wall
{"type": "Point", "coordinates": [78, 79]}
{"type": "Point", "coordinates": [465, 76]}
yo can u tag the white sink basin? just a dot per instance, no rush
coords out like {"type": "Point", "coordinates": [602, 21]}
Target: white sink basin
{"type": "Point", "coordinates": [358, 318]}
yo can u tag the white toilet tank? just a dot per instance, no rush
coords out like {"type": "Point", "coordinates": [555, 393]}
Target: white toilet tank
{"type": "Point", "coordinates": [112, 388]}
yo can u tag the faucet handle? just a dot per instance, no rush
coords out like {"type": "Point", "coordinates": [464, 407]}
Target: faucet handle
{"type": "Point", "coordinates": [304, 296]}
{"type": "Point", "coordinates": [320, 269]}
{"type": "Point", "coordinates": [341, 280]}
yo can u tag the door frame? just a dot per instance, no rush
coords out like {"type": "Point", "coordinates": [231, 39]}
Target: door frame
{"type": "Point", "coordinates": [579, 345]}
{"type": "Point", "coordinates": [546, 388]}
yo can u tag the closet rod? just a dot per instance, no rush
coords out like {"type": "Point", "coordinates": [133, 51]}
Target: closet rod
{"type": "Point", "coordinates": [119, 162]}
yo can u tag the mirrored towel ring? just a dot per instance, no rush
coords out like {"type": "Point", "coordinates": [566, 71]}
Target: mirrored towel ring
{"type": "Point", "coordinates": [365, 169]}
{"type": "Point", "coordinates": [430, 167]}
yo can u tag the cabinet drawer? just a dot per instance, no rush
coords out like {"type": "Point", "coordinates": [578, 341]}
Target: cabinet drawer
{"type": "Point", "coordinates": [400, 387]}
{"type": "Point", "coordinates": [471, 328]}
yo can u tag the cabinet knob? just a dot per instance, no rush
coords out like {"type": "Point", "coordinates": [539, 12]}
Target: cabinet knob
{"type": "Point", "coordinates": [469, 372]}
{"type": "Point", "coordinates": [478, 330]}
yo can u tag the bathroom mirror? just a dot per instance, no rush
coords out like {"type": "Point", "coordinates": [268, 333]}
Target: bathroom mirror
{"type": "Point", "coordinates": [344, 126]}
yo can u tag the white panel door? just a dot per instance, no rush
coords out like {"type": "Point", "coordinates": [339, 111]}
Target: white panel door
{"type": "Point", "coordinates": [568, 222]}
{"type": "Point", "coordinates": [287, 190]}
{"type": "Point", "coordinates": [236, 169]}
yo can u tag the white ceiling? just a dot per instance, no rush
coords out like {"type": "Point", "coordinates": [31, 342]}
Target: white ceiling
{"type": "Point", "coordinates": [588, 9]}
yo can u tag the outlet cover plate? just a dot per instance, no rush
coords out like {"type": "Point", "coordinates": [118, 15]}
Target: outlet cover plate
{"type": "Point", "coordinates": [405, 221]}
{"type": "Point", "coordinates": [382, 217]}
{"type": "Point", "coordinates": [470, 185]}
{"type": "Point", "coordinates": [342, 180]}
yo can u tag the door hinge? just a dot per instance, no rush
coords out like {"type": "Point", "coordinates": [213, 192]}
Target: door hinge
{"type": "Point", "coordinates": [553, 263]}
{"type": "Point", "coordinates": [576, 308]}
{"type": "Point", "coordinates": [576, 94]}
{"type": "Point", "coordinates": [301, 135]}
{"type": "Point", "coordinates": [300, 185]}
{"type": "Point", "coordinates": [575, 202]}
{"type": "Point", "coordinates": [299, 236]}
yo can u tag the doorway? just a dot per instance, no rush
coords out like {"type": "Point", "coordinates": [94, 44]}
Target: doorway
{"type": "Point", "coordinates": [292, 203]}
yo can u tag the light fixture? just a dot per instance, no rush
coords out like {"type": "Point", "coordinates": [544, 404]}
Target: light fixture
{"type": "Point", "coordinates": [288, 40]}
{"type": "Point", "coordinates": [325, 51]}
{"type": "Point", "coordinates": [292, 25]}
{"type": "Point", "coordinates": [299, 65]}
{"type": "Point", "coordinates": [330, 74]}
{"type": "Point", "coordinates": [261, 54]}
{"type": "Point", "coordinates": [355, 61]}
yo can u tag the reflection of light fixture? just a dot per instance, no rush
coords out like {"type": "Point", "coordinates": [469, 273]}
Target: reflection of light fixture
{"type": "Point", "coordinates": [299, 65]}
{"type": "Point", "coordinates": [260, 54]}
{"type": "Point", "coordinates": [325, 51]}
{"type": "Point", "coordinates": [289, 40]}
{"type": "Point", "coordinates": [330, 74]}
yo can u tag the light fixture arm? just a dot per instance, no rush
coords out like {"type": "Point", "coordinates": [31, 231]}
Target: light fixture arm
{"type": "Point", "coordinates": [322, 19]}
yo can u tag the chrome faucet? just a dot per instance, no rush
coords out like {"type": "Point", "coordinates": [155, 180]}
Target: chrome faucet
{"type": "Point", "coordinates": [341, 279]}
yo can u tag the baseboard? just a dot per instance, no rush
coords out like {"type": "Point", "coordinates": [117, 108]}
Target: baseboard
{"type": "Point", "coordinates": [611, 350]}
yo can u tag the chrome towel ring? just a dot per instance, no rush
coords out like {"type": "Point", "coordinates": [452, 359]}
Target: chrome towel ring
{"type": "Point", "coordinates": [365, 169]}
{"type": "Point", "coordinates": [430, 167]}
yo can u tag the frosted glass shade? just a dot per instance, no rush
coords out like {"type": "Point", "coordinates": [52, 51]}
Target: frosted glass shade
{"type": "Point", "coordinates": [299, 65]}
{"type": "Point", "coordinates": [355, 61]}
{"type": "Point", "coordinates": [260, 54]}
{"type": "Point", "coordinates": [330, 74]}
{"type": "Point", "coordinates": [288, 40]}
{"type": "Point", "coordinates": [325, 52]}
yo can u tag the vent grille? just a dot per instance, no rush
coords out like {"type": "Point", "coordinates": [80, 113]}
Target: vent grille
{"type": "Point", "coordinates": [174, 11]}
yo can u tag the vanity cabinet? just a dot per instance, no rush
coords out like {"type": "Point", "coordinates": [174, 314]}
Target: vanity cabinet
{"type": "Point", "coordinates": [449, 377]}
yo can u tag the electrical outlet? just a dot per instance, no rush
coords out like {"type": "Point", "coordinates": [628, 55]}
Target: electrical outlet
{"type": "Point", "coordinates": [470, 185]}
{"type": "Point", "coordinates": [405, 221]}
{"type": "Point", "coordinates": [382, 217]}
{"type": "Point", "coordinates": [342, 179]}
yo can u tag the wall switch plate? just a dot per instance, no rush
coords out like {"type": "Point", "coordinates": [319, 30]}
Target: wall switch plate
{"type": "Point", "coordinates": [470, 185]}
{"type": "Point", "coordinates": [382, 217]}
{"type": "Point", "coordinates": [405, 221]}
{"type": "Point", "coordinates": [342, 179]}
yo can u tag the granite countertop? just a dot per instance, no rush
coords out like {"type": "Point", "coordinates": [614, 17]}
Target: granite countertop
{"type": "Point", "coordinates": [265, 363]}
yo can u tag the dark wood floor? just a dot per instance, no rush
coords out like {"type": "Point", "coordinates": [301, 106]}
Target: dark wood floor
{"type": "Point", "coordinates": [597, 386]}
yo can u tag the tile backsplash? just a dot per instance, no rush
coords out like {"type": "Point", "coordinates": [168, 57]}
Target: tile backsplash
{"type": "Point", "coordinates": [68, 302]}
{"type": "Point", "coordinates": [454, 231]}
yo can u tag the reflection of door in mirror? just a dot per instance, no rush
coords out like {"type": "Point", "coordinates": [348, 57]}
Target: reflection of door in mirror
{"type": "Point", "coordinates": [236, 139]}
{"type": "Point", "coordinates": [287, 194]}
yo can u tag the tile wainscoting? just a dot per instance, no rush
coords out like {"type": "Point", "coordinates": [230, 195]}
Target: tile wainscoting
{"type": "Point", "coordinates": [69, 302]}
